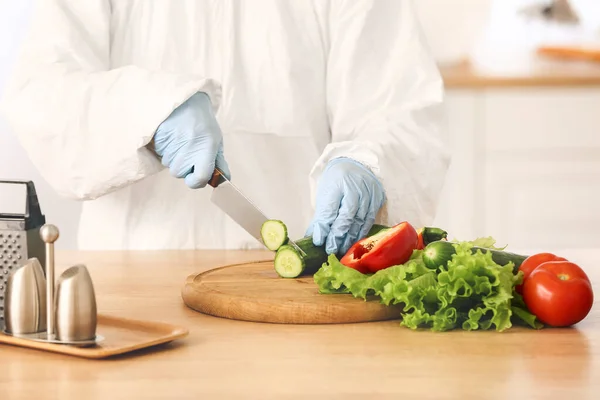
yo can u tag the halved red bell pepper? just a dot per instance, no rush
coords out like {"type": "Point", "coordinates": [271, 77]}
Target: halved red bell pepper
{"type": "Point", "coordinates": [420, 243]}
{"type": "Point", "coordinates": [385, 249]}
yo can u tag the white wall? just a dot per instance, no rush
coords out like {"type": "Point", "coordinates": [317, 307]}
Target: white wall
{"type": "Point", "coordinates": [14, 163]}
{"type": "Point", "coordinates": [452, 27]}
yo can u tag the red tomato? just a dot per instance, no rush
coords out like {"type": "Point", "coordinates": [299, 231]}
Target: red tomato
{"type": "Point", "coordinates": [559, 293]}
{"type": "Point", "coordinates": [531, 263]}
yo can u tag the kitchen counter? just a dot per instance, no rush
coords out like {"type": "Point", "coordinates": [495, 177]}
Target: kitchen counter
{"type": "Point", "coordinates": [553, 74]}
{"type": "Point", "coordinates": [222, 359]}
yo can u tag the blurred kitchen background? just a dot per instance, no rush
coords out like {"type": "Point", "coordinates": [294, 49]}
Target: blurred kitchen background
{"type": "Point", "coordinates": [523, 92]}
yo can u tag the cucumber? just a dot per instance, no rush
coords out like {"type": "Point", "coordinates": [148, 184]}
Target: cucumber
{"type": "Point", "coordinates": [274, 234]}
{"type": "Point", "coordinates": [438, 253]}
{"type": "Point", "coordinates": [376, 228]}
{"type": "Point", "coordinates": [290, 263]}
{"type": "Point", "coordinates": [432, 234]}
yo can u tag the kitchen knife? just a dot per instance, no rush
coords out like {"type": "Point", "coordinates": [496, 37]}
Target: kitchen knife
{"type": "Point", "coordinates": [237, 206]}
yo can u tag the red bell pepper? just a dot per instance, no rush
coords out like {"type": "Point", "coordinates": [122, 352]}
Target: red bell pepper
{"type": "Point", "coordinates": [385, 249]}
{"type": "Point", "coordinates": [421, 241]}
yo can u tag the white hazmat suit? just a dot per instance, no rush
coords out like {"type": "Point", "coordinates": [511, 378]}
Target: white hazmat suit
{"type": "Point", "coordinates": [293, 84]}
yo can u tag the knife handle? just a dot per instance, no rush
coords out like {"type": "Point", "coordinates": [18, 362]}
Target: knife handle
{"type": "Point", "coordinates": [216, 178]}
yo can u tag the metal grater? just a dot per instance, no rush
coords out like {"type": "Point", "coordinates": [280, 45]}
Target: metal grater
{"type": "Point", "coordinates": [19, 236]}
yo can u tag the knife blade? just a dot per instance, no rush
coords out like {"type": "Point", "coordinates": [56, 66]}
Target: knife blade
{"type": "Point", "coordinates": [239, 207]}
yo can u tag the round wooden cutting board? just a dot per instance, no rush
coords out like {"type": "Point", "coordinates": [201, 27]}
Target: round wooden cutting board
{"type": "Point", "coordinates": [254, 292]}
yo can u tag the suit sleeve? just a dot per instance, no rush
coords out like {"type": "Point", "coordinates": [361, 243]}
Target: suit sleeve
{"type": "Point", "coordinates": [83, 124]}
{"type": "Point", "coordinates": [385, 99]}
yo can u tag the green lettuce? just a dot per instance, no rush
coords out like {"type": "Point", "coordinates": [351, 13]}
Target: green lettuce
{"type": "Point", "coordinates": [470, 292]}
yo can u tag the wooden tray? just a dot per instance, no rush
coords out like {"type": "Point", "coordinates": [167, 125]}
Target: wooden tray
{"type": "Point", "coordinates": [254, 292]}
{"type": "Point", "coordinates": [121, 335]}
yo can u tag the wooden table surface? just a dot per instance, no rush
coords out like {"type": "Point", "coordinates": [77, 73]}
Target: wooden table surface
{"type": "Point", "coordinates": [223, 359]}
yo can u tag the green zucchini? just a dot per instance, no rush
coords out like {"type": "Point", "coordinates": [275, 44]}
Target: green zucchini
{"type": "Point", "coordinates": [290, 263]}
{"type": "Point", "coordinates": [274, 234]}
{"type": "Point", "coordinates": [438, 253]}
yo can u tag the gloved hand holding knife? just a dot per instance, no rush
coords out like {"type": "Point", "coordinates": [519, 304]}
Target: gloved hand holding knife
{"type": "Point", "coordinates": [190, 143]}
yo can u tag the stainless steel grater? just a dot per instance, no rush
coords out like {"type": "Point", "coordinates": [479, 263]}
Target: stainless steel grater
{"type": "Point", "coordinates": [19, 234]}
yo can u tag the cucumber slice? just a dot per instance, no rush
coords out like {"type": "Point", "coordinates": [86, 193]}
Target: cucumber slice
{"type": "Point", "coordinates": [289, 263]}
{"type": "Point", "coordinates": [274, 234]}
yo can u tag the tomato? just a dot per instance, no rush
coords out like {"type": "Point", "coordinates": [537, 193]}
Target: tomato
{"type": "Point", "coordinates": [559, 293]}
{"type": "Point", "coordinates": [383, 250]}
{"type": "Point", "coordinates": [531, 263]}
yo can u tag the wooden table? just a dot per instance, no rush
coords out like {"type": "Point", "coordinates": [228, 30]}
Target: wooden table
{"type": "Point", "coordinates": [223, 359]}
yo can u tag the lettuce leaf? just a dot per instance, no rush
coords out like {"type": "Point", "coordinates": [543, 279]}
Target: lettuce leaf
{"type": "Point", "coordinates": [470, 292]}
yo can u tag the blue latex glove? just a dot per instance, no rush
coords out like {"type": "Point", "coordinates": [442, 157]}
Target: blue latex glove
{"type": "Point", "coordinates": [190, 142]}
{"type": "Point", "coordinates": [347, 201]}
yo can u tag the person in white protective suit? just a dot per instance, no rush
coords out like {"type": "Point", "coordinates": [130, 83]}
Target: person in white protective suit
{"type": "Point", "coordinates": [327, 114]}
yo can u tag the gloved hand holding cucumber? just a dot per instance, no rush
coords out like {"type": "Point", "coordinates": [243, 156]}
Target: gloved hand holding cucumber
{"type": "Point", "coordinates": [348, 199]}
